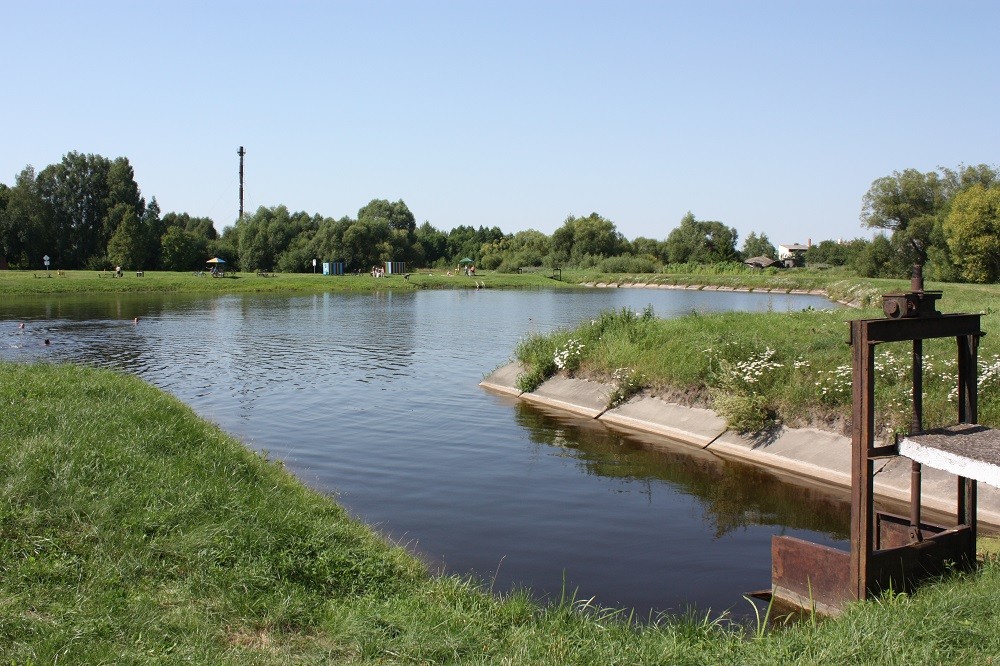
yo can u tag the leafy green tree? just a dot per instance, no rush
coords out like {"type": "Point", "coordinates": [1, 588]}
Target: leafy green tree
{"type": "Point", "coordinates": [26, 224]}
{"type": "Point", "coordinates": [366, 243]}
{"type": "Point", "coordinates": [941, 264]}
{"type": "Point", "coordinates": [395, 214]}
{"type": "Point", "coordinates": [596, 236]}
{"type": "Point", "coordinates": [966, 176]}
{"type": "Point", "coordinates": [128, 245]}
{"type": "Point", "coordinates": [877, 259]}
{"type": "Point", "coordinates": [298, 256]}
{"type": "Point", "coordinates": [467, 241]}
{"type": "Point", "coordinates": [650, 248]}
{"type": "Point", "coordinates": [328, 241]}
{"type": "Point", "coordinates": [433, 242]}
{"type": "Point", "coordinates": [703, 242]}
{"type": "Point", "coordinates": [758, 246]}
{"type": "Point", "coordinates": [972, 231]}
{"type": "Point", "coordinates": [81, 191]}
{"type": "Point", "coordinates": [122, 191]}
{"type": "Point", "coordinates": [266, 234]}
{"type": "Point", "coordinates": [592, 237]}
{"type": "Point", "coordinates": [226, 246]}
{"type": "Point", "coordinates": [199, 226]}
{"type": "Point", "coordinates": [514, 251]}
{"type": "Point", "coordinates": [835, 253]}
{"type": "Point", "coordinates": [6, 228]}
{"type": "Point", "coordinates": [905, 204]}
{"type": "Point", "coordinates": [255, 253]}
{"type": "Point", "coordinates": [913, 205]}
{"type": "Point", "coordinates": [183, 250]}
{"type": "Point", "coordinates": [401, 243]}
{"type": "Point", "coordinates": [153, 230]}
{"type": "Point", "coordinates": [562, 241]}
{"type": "Point", "coordinates": [529, 248]}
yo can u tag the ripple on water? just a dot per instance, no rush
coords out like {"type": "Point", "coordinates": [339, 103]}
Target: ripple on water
{"type": "Point", "coordinates": [375, 398]}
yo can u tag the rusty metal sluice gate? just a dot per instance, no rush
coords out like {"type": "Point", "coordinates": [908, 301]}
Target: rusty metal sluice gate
{"type": "Point", "coordinates": [890, 551]}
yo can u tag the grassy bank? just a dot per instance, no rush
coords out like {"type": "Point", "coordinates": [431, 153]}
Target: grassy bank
{"type": "Point", "coordinates": [70, 282]}
{"type": "Point", "coordinates": [93, 282]}
{"type": "Point", "coordinates": [756, 369]}
{"type": "Point", "coordinates": [133, 531]}
{"type": "Point", "coordinates": [736, 276]}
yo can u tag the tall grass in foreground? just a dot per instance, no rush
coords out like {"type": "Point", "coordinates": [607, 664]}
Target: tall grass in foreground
{"type": "Point", "coordinates": [132, 531]}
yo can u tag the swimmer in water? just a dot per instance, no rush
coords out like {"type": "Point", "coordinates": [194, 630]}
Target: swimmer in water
{"type": "Point", "coordinates": [47, 343]}
{"type": "Point", "coordinates": [21, 325]}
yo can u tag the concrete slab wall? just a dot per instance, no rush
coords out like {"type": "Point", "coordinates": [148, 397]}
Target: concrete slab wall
{"type": "Point", "coordinates": [805, 453]}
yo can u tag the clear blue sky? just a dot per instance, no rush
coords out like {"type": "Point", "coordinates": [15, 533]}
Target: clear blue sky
{"type": "Point", "coordinates": [772, 117]}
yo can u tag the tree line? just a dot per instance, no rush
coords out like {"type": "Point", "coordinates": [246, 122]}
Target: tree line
{"type": "Point", "coordinates": [87, 211]}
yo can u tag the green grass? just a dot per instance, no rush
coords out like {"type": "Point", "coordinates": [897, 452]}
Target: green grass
{"type": "Point", "coordinates": [792, 367]}
{"type": "Point", "coordinates": [131, 531]}
{"type": "Point", "coordinates": [67, 282]}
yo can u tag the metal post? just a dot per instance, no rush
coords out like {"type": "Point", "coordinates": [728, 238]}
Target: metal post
{"type": "Point", "coordinates": [916, 426]}
{"type": "Point", "coordinates": [862, 470]}
{"type": "Point", "coordinates": [968, 349]}
{"type": "Point", "coordinates": [241, 153]}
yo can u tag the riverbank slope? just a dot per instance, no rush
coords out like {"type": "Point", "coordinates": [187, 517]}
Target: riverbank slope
{"type": "Point", "coordinates": [131, 530]}
{"type": "Point", "coordinates": [808, 456]}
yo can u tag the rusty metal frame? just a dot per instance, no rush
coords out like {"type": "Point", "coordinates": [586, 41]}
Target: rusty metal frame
{"type": "Point", "coordinates": [887, 551]}
{"type": "Point", "coordinates": [874, 569]}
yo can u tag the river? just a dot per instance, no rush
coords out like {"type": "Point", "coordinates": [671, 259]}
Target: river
{"type": "Point", "coordinates": [373, 398]}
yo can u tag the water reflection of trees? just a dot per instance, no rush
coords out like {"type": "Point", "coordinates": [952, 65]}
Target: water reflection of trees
{"type": "Point", "coordinates": [733, 495]}
{"type": "Point", "coordinates": [81, 307]}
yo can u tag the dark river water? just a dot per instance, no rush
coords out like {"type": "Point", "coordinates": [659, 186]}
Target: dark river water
{"type": "Point", "coordinates": [374, 399]}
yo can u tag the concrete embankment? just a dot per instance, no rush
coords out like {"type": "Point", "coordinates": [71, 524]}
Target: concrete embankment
{"type": "Point", "coordinates": [805, 455]}
{"type": "Point", "coordinates": [705, 287]}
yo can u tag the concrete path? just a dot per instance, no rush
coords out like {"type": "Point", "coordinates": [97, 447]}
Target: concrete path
{"type": "Point", "coordinates": [806, 454]}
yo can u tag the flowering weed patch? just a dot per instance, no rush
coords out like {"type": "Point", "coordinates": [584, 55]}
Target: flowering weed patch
{"type": "Point", "coordinates": [627, 382]}
{"type": "Point", "coordinates": [988, 377]}
{"type": "Point", "coordinates": [834, 386]}
{"type": "Point", "coordinates": [568, 356]}
{"type": "Point", "coordinates": [893, 386]}
{"type": "Point", "coordinates": [742, 382]}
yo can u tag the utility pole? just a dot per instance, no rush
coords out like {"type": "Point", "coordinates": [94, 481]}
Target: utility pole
{"type": "Point", "coordinates": [241, 153]}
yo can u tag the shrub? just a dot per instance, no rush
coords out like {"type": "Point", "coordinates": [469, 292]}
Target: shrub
{"type": "Point", "coordinates": [627, 264]}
